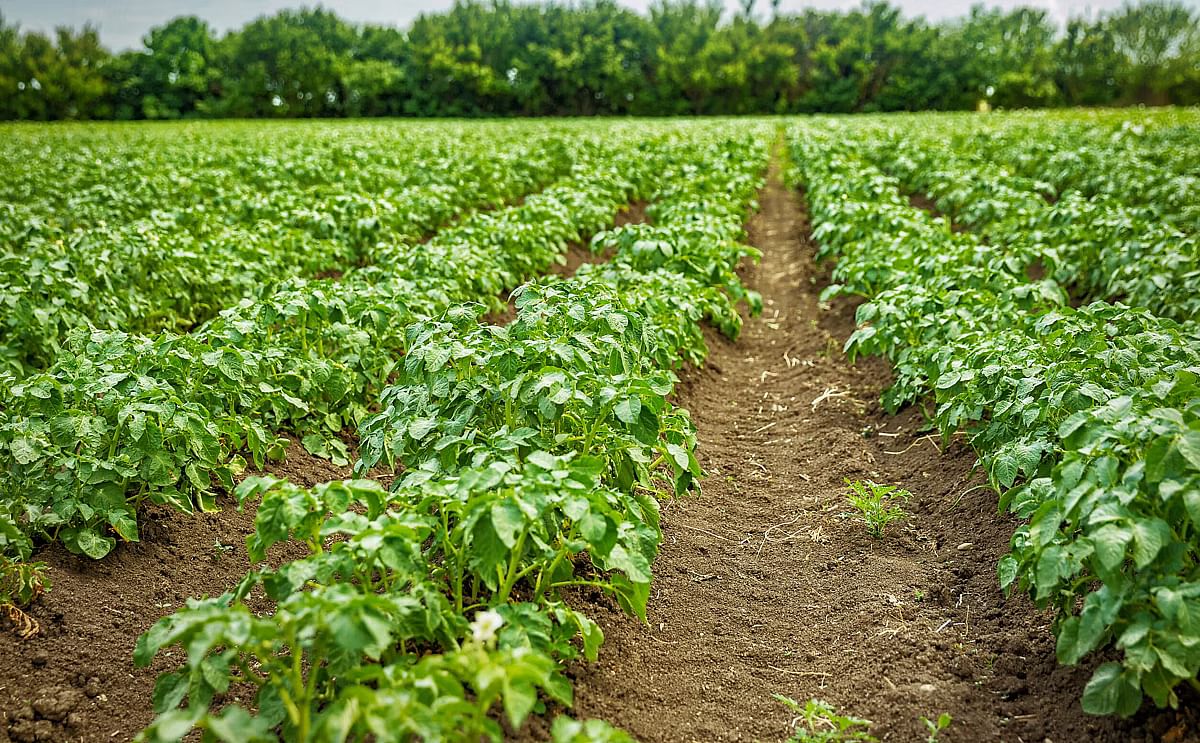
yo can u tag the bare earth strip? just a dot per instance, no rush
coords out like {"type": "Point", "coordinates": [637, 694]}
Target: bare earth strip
{"type": "Point", "coordinates": [764, 586]}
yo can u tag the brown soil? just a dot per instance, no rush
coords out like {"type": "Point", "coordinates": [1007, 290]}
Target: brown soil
{"type": "Point", "coordinates": [764, 586]}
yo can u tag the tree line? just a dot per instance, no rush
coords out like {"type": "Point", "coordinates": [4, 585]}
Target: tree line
{"type": "Point", "coordinates": [500, 58]}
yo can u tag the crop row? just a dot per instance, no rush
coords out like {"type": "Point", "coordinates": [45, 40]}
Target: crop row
{"type": "Point", "coordinates": [1153, 164]}
{"type": "Point", "coordinates": [180, 264]}
{"type": "Point", "coordinates": [73, 176]}
{"type": "Point", "coordinates": [120, 419]}
{"type": "Point", "coordinates": [1094, 246]}
{"type": "Point", "coordinates": [1087, 419]}
{"type": "Point", "coordinates": [531, 457]}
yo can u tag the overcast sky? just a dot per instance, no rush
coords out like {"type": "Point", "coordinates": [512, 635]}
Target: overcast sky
{"type": "Point", "coordinates": [122, 23]}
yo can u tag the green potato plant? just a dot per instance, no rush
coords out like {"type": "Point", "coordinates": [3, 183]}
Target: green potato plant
{"type": "Point", "coordinates": [529, 461]}
{"type": "Point", "coordinates": [877, 505]}
{"type": "Point", "coordinates": [1082, 413]}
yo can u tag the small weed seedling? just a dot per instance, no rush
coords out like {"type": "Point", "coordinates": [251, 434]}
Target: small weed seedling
{"type": "Point", "coordinates": [878, 505]}
{"type": "Point", "coordinates": [819, 722]}
{"type": "Point", "coordinates": [220, 549]}
{"type": "Point", "coordinates": [936, 727]}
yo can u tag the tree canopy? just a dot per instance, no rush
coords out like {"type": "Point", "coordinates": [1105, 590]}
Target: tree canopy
{"type": "Point", "coordinates": [499, 58]}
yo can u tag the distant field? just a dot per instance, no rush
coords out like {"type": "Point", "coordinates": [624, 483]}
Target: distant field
{"type": "Point", "coordinates": [491, 322]}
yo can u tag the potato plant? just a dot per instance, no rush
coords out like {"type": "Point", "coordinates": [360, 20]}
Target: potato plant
{"type": "Point", "coordinates": [1090, 241]}
{"type": "Point", "coordinates": [1083, 417]}
{"type": "Point", "coordinates": [530, 461]}
{"type": "Point", "coordinates": [121, 420]}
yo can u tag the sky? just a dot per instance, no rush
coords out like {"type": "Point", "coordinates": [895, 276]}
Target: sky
{"type": "Point", "coordinates": [122, 23]}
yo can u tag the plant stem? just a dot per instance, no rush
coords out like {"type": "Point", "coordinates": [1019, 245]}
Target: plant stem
{"type": "Point", "coordinates": [514, 561]}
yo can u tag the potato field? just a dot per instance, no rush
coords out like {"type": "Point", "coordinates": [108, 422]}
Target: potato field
{"type": "Point", "coordinates": [861, 428]}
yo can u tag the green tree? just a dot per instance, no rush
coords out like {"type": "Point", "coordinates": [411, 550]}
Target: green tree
{"type": "Point", "coordinates": [1159, 43]}
{"type": "Point", "coordinates": [683, 30]}
{"type": "Point", "coordinates": [47, 79]}
{"type": "Point", "coordinates": [506, 57]}
{"type": "Point", "coordinates": [1087, 64]}
{"type": "Point", "coordinates": [1005, 57]}
{"type": "Point", "coordinates": [177, 71]}
{"type": "Point", "coordinates": [445, 66]}
{"type": "Point", "coordinates": [288, 64]}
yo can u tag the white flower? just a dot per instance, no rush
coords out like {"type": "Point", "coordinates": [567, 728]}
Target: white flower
{"type": "Point", "coordinates": [484, 626]}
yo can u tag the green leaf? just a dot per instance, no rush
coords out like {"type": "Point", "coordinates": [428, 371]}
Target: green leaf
{"type": "Point", "coordinates": [1111, 691]}
{"type": "Point", "coordinates": [628, 410]}
{"type": "Point", "coordinates": [158, 468]}
{"type": "Point", "coordinates": [24, 450]}
{"type": "Point", "coordinates": [1150, 536]}
{"type": "Point", "coordinates": [1189, 448]}
{"type": "Point", "coordinates": [1109, 543]}
{"type": "Point", "coordinates": [1005, 469]}
{"type": "Point", "coordinates": [169, 691]}
{"type": "Point", "coordinates": [1067, 645]}
{"type": "Point", "coordinates": [1191, 501]}
{"type": "Point", "coordinates": [947, 380]}
{"type": "Point", "coordinates": [236, 725]}
{"type": "Point", "coordinates": [593, 636]}
{"type": "Point", "coordinates": [93, 544]}
{"type": "Point", "coordinates": [519, 700]}
{"type": "Point", "coordinates": [679, 455]}
{"type": "Point", "coordinates": [1047, 572]}
{"type": "Point", "coordinates": [507, 521]}
{"type": "Point", "coordinates": [1006, 570]}
{"type": "Point", "coordinates": [421, 428]}
{"type": "Point", "coordinates": [125, 525]}
{"type": "Point", "coordinates": [174, 725]}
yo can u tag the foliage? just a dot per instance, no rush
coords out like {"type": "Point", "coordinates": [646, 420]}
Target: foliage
{"type": "Point", "coordinates": [818, 722]}
{"type": "Point", "coordinates": [878, 505]}
{"type": "Point", "coordinates": [683, 57]}
{"type": "Point", "coordinates": [528, 460]}
{"type": "Point", "coordinates": [936, 727]}
{"type": "Point", "coordinates": [21, 583]}
{"type": "Point", "coordinates": [106, 249]}
{"type": "Point", "coordinates": [1083, 416]}
{"type": "Point", "coordinates": [121, 420]}
{"type": "Point", "coordinates": [1095, 207]}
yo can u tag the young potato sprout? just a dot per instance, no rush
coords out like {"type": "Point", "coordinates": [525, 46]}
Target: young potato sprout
{"type": "Point", "coordinates": [878, 505]}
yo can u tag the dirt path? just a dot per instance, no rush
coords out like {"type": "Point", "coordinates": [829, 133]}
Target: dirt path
{"type": "Point", "coordinates": [764, 587]}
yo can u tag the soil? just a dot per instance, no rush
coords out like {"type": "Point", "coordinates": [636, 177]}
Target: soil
{"type": "Point", "coordinates": [765, 586]}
